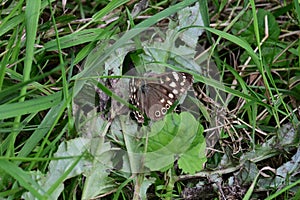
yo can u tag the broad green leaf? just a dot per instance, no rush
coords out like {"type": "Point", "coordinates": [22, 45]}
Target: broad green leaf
{"type": "Point", "coordinates": [68, 164]}
{"type": "Point", "coordinates": [97, 180]}
{"type": "Point", "coordinates": [175, 130]}
{"type": "Point", "coordinates": [193, 160]}
{"type": "Point", "coordinates": [174, 136]}
{"type": "Point", "coordinates": [147, 182]}
{"type": "Point", "coordinates": [191, 16]}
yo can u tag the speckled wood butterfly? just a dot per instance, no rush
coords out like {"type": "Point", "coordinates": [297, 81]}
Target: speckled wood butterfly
{"type": "Point", "coordinates": [155, 94]}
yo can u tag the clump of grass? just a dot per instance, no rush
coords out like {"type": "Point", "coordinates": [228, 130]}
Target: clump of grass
{"type": "Point", "coordinates": [44, 46]}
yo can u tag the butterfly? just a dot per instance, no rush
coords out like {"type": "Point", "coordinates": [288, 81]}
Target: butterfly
{"type": "Point", "coordinates": [155, 94]}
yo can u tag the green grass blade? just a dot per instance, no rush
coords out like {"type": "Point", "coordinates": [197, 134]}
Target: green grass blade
{"type": "Point", "coordinates": [44, 127]}
{"type": "Point", "coordinates": [238, 41]}
{"type": "Point", "coordinates": [13, 19]}
{"type": "Point", "coordinates": [29, 106]}
{"type": "Point", "coordinates": [297, 8]}
{"type": "Point", "coordinates": [205, 16]}
{"type": "Point", "coordinates": [32, 13]}
{"type": "Point", "coordinates": [285, 189]}
{"type": "Point", "coordinates": [9, 91]}
{"type": "Point", "coordinates": [22, 177]}
{"type": "Point", "coordinates": [108, 8]}
{"type": "Point", "coordinates": [11, 24]}
{"type": "Point", "coordinates": [76, 38]}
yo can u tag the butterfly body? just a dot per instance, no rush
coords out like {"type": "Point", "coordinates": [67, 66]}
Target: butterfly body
{"type": "Point", "coordinates": [155, 94]}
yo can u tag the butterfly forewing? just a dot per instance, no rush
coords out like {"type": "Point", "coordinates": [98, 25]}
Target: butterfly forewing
{"type": "Point", "coordinates": [155, 95]}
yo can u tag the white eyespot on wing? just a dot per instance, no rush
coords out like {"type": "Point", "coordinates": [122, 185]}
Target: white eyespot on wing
{"type": "Point", "coordinates": [167, 79]}
{"type": "Point", "coordinates": [175, 91]}
{"type": "Point", "coordinates": [175, 75]}
{"type": "Point", "coordinates": [157, 113]}
{"type": "Point", "coordinates": [172, 84]}
{"type": "Point", "coordinates": [171, 95]}
{"type": "Point", "coordinates": [162, 100]}
{"type": "Point", "coordinates": [163, 110]}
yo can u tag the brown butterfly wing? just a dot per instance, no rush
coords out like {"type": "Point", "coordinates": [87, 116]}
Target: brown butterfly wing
{"type": "Point", "coordinates": [155, 95]}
